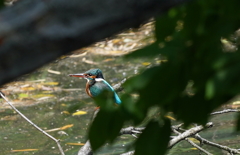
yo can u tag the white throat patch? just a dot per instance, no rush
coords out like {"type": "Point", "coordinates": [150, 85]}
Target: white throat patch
{"type": "Point", "coordinates": [99, 79]}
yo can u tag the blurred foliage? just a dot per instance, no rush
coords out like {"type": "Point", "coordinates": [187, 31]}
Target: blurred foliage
{"type": "Point", "coordinates": [159, 135]}
{"type": "Point", "coordinates": [189, 37]}
{"type": "Point", "coordinates": [2, 3]}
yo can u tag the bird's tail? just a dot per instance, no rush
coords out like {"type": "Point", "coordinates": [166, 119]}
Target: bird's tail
{"type": "Point", "coordinates": [117, 99]}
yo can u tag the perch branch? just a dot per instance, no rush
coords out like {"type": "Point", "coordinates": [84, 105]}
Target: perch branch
{"type": "Point", "coordinates": [118, 87]}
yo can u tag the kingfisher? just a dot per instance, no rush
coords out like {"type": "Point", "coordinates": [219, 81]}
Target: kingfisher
{"type": "Point", "coordinates": [96, 83]}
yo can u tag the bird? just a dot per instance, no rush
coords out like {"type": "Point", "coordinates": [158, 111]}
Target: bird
{"type": "Point", "coordinates": [96, 83]}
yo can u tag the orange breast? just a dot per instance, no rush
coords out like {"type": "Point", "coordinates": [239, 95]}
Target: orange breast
{"type": "Point", "coordinates": [88, 90]}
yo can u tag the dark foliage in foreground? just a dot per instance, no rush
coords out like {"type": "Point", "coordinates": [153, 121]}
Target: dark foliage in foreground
{"type": "Point", "coordinates": [189, 37]}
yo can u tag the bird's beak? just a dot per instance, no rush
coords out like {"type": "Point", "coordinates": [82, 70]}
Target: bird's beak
{"type": "Point", "coordinates": [77, 75]}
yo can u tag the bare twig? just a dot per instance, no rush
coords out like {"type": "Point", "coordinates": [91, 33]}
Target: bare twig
{"type": "Point", "coordinates": [188, 133]}
{"type": "Point", "coordinates": [178, 126]}
{"type": "Point", "coordinates": [128, 153]}
{"type": "Point", "coordinates": [224, 111]}
{"type": "Point", "coordinates": [2, 94]}
{"type": "Point", "coordinates": [86, 149]}
{"type": "Point", "coordinates": [176, 139]}
{"type": "Point", "coordinates": [34, 125]}
{"type": "Point", "coordinates": [192, 143]}
{"type": "Point", "coordinates": [131, 130]}
{"type": "Point", "coordinates": [205, 141]}
{"type": "Point", "coordinates": [198, 147]}
{"type": "Point", "coordinates": [118, 87]}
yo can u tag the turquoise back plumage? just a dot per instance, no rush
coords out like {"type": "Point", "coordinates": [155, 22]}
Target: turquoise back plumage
{"type": "Point", "coordinates": [100, 86]}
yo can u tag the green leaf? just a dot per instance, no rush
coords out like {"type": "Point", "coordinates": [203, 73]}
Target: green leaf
{"type": "Point", "coordinates": [189, 38]}
{"type": "Point", "coordinates": [106, 100]}
{"type": "Point", "coordinates": [2, 4]}
{"type": "Point", "coordinates": [166, 24]}
{"type": "Point", "coordinates": [98, 133]}
{"type": "Point", "coordinates": [107, 123]}
{"type": "Point", "coordinates": [115, 125]}
{"type": "Point", "coordinates": [105, 128]}
{"type": "Point", "coordinates": [154, 139]}
{"type": "Point", "coordinates": [210, 89]}
{"type": "Point", "coordinates": [168, 82]}
{"type": "Point", "coordinates": [130, 109]}
{"type": "Point", "coordinates": [140, 81]}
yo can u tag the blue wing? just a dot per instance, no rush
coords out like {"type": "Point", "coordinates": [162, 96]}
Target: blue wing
{"type": "Point", "coordinates": [117, 99]}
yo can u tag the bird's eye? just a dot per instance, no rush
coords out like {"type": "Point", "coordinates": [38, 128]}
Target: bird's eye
{"type": "Point", "coordinates": [89, 74]}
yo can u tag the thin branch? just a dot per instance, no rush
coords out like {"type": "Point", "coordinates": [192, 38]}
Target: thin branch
{"type": "Point", "coordinates": [86, 149]}
{"type": "Point", "coordinates": [178, 126]}
{"type": "Point", "coordinates": [34, 125]}
{"type": "Point", "coordinates": [224, 111]}
{"type": "Point", "coordinates": [128, 153]}
{"type": "Point", "coordinates": [131, 130]}
{"type": "Point", "coordinates": [188, 133]}
{"type": "Point", "coordinates": [192, 143]}
{"type": "Point", "coordinates": [198, 147]}
{"type": "Point", "coordinates": [205, 141]}
{"type": "Point", "coordinates": [118, 87]}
